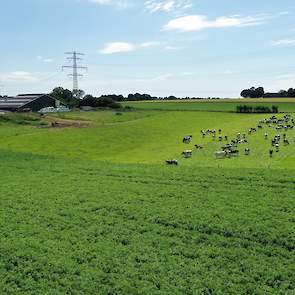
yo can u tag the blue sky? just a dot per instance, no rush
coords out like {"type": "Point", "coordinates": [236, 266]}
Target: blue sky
{"type": "Point", "coordinates": [162, 47]}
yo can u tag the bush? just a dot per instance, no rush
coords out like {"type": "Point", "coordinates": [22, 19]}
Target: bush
{"type": "Point", "coordinates": [99, 102]}
{"type": "Point", "coordinates": [256, 109]}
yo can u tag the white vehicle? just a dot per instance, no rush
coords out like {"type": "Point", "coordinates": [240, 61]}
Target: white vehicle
{"type": "Point", "coordinates": [60, 109]}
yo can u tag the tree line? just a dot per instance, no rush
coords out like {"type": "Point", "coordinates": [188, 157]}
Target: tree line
{"type": "Point", "coordinates": [259, 92]}
{"type": "Point", "coordinates": [72, 100]}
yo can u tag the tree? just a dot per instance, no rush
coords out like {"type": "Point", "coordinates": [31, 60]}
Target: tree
{"type": "Point", "coordinates": [246, 93]}
{"type": "Point", "coordinates": [283, 93]}
{"type": "Point", "coordinates": [65, 96]}
{"type": "Point", "coordinates": [253, 92]}
{"type": "Point", "coordinates": [99, 102]}
{"type": "Point", "coordinates": [259, 92]}
{"type": "Point", "coordinates": [78, 93]}
{"type": "Point", "coordinates": [291, 92]}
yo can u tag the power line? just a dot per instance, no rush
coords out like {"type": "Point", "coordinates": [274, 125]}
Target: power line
{"type": "Point", "coordinates": [74, 57]}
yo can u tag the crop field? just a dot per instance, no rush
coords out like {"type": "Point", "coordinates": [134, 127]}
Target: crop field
{"type": "Point", "coordinates": [94, 209]}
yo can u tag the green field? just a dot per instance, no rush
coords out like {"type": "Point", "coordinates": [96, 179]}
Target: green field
{"type": "Point", "coordinates": [223, 105]}
{"type": "Point", "coordinates": [148, 137]}
{"type": "Point", "coordinates": [95, 210]}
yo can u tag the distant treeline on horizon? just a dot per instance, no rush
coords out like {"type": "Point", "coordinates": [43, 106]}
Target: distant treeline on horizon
{"type": "Point", "coordinates": [259, 93]}
{"type": "Point", "coordinates": [79, 99]}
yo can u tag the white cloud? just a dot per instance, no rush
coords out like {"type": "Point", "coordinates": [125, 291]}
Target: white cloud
{"type": "Point", "coordinates": [46, 60]}
{"type": "Point", "coordinates": [228, 72]}
{"type": "Point", "coordinates": [121, 47]}
{"type": "Point", "coordinates": [19, 76]}
{"type": "Point", "coordinates": [117, 47]}
{"type": "Point", "coordinates": [148, 44]}
{"type": "Point", "coordinates": [192, 23]}
{"type": "Point", "coordinates": [167, 5]}
{"type": "Point", "coordinates": [284, 42]}
{"type": "Point", "coordinates": [163, 77]}
{"type": "Point", "coordinates": [118, 3]}
{"type": "Point", "coordinates": [284, 13]}
{"type": "Point", "coordinates": [172, 48]}
{"type": "Point", "coordinates": [186, 74]}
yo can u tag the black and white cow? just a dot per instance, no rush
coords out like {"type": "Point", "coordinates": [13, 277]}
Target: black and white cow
{"type": "Point", "coordinates": [171, 162]}
{"type": "Point", "coordinates": [187, 139]}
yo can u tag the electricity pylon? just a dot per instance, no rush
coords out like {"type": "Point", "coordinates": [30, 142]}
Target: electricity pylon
{"type": "Point", "coordinates": [75, 58]}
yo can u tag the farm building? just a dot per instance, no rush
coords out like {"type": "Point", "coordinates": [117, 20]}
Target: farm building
{"type": "Point", "coordinates": [28, 102]}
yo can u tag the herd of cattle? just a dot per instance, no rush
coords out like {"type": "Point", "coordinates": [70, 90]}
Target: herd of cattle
{"type": "Point", "coordinates": [230, 147]}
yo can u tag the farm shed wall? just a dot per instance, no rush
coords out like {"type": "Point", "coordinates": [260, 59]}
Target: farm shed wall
{"type": "Point", "coordinates": [40, 103]}
{"type": "Point", "coordinates": [28, 102]}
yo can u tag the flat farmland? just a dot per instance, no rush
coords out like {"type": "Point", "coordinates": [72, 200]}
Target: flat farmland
{"type": "Point", "coordinates": [99, 228]}
{"type": "Point", "coordinates": [222, 105]}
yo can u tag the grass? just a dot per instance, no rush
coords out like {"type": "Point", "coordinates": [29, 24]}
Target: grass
{"type": "Point", "coordinates": [21, 119]}
{"type": "Point", "coordinates": [285, 105]}
{"type": "Point", "coordinates": [84, 227]}
{"type": "Point", "coordinates": [105, 117]}
{"type": "Point", "coordinates": [95, 210]}
{"type": "Point", "coordinates": [149, 137]}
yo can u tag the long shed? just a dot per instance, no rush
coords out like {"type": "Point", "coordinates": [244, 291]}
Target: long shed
{"type": "Point", "coordinates": [28, 102]}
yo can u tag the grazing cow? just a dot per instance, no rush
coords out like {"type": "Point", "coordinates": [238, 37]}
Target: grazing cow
{"type": "Point", "coordinates": [171, 162]}
{"type": "Point", "coordinates": [219, 131]}
{"type": "Point", "coordinates": [277, 146]}
{"type": "Point", "coordinates": [220, 138]}
{"type": "Point", "coordinates": [187, 153]}
{"type": "Point", "coordinates": [187, 139]}
{"type": "Point", "coordinates": [271, 153]}
{"type": "Point", "coordinates": [265, 135]}
{"type": "Point", "coordinates": [225, 137]}
{"type": "Point", "coordinates": [233, 153]}
{"type": "Point", "coordinates": [199, 147]}
{"type": "Point", "coordinates": [247, 151]}
{"type": "Point", "coordinates": [286, 142]}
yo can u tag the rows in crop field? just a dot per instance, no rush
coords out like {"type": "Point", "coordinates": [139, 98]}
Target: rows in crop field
{"type": "Point", "coordinates": [94, 227]}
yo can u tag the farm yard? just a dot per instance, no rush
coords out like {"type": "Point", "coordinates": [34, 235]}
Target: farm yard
{"type": "Point", "coordinates": [95, 210]}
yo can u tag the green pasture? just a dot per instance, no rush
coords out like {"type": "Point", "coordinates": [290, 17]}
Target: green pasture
{"type": "Point", "coordinates": [285, 105]}
{"type": "Point", "coordinates": [149, 137]}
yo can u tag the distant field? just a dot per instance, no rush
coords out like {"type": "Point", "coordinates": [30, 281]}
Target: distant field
{"type": "Point", "coordinates": [228, 105]}
{"type": "Point", "coordinates": [95, 210]}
